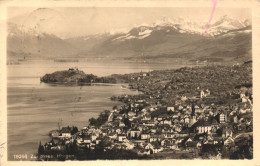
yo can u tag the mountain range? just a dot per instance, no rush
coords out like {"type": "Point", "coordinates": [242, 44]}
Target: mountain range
{"type": "Point", "coordinates": [227, 39]}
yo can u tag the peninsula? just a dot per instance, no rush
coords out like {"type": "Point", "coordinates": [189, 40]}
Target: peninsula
{"type": "Point", "coordinates": [73, 75]}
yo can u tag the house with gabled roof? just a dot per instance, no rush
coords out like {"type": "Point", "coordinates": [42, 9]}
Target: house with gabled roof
{"type": "Point", "coordinates": [142, 152]}
{"type": "Point", "coordinates": [112, 135]}
{"type": "Point", "coordinates": [184, 141]}
{"type": "Point", "coordinates": [229, 141]}
{"type": "Point", "coordinates": [199, 144]}
{"type": "Point", "coordinates": [86, 139]}
{"type": "Point", "coordinates": [170, 108]}
{"type": "Point", "coordinates": [66, 132]}
{"type": "Point", "coordinates": [191, 145]}
{"type": "Point", "coordinates": [121, 137]}
{"type": "Point", "coordinates": [129, 145]}
{"type": "Point", "coordinates": [227, 132]}
{"type": "Point", "coordinates": [149, 146]}
{"type": "Point", "coordinates": [186, 119]}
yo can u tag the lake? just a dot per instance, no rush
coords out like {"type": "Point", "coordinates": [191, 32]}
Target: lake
{"type": "Point", "coordinates": [36, 108]}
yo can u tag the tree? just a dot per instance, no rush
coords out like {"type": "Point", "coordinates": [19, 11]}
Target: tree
{"type": "Point", "coordinates": [208, 150]}
{"type": "Point", "coordinates": [93, 121]}
{"type": "Point", "coordinates": [219, 132]}
{"type": "Point", "coordinates": [115, 107]}
{"type": "Point", "coordinates": [127, 122]}
{"type": "Point", "coordinates": [245, 146]}
{"type": "Point", "coordinates": [74, 130]}
{"type": "Point", "coordinates": [40, 149]}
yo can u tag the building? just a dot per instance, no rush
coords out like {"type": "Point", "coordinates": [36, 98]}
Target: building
{"type": "Point", "coordinates": [187, 120]}
{"type": "Point", "coordinates": [121, 124]}
{"type": "Point", "coordinates": [203, 129]}
{"type": "Point", "coordinates": [227, 132]}
{"type": "Point", "coordinates": [93, 137]}
{"type": "Point", "coordinates": [222, 118]}
{"type": "Point", "coordinates": [170, 109]}
{"type": "Point", "coordinates": [55, 133]}
{"type": "Point", "coordinates": [145, 136]}
{"type": "Point", "coordinates": [204, 94]}
{"type": "Point", "coordinates": [66, 132]}
{"type": "Point", "coordinates": [86, 139]}
{"type": "Point", "coordinates": [134, 133]}
{"type": "Point", "coordinates": [229, 141]}
{"type": "Point", "coordinates": [203, 126]}
{"type": "Point", "coordinates": [183, 98]}
{"type": "Point", "coordinates": [121, 137]}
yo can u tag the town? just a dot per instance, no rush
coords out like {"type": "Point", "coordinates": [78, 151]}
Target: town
{"type": "Point", "coordinates": [188, 113]}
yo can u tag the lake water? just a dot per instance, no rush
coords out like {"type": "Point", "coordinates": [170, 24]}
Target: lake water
{"type": "Point", "coordinates": [35, 108]}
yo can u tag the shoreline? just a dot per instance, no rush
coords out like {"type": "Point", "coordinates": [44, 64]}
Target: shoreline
{"type": "Point", "coordinates": [41, 93]}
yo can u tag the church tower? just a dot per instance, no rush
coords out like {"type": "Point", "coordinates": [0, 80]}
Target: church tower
{"type": "Point", "coordinates": [193, 116]}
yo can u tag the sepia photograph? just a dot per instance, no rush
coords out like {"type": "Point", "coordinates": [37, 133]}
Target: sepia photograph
{"type": "Point", "coordinates": [129, 83]}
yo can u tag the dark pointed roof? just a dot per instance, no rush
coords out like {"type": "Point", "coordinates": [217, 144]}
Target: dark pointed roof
{"type": "Point", "coordinates": [202, 122]}
{"type": "Point", "coordinates": [193, 110]}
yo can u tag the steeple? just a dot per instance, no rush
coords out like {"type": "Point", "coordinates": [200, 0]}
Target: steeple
{"type": "Point", "coordinates": [193, 110]}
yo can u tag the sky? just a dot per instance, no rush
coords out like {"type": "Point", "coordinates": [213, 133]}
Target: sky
{"type": "Point", "coordinates": [71, 22]}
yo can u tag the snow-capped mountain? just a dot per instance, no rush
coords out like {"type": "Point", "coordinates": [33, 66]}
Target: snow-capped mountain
{"type": "Point", "coordinates": [182, 38]}
{"type": "Point", "coordinates": [24, 41]}
{"type": "Point", "coordinates": [186, 25]}
{"type": "Point", "coordinates": [165, 38]}
{"type": "Point", "coordinates": [44, 20]}
{"type": "Point", "coordinates": [226, 24]}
